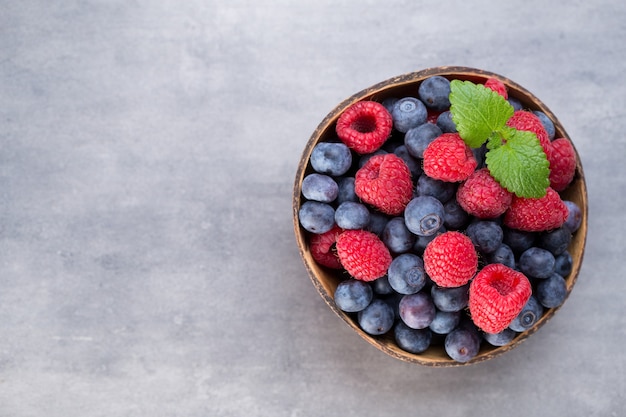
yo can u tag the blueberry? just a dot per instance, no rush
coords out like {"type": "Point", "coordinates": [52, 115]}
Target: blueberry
{"type": "Point", "coordinates": [381, 286]}
{"type": "Point", "coordinates": [480, 154]}
{"type": "Point", "coordinates": [518, 240]}
{"type": "Point", "coordinates": [574, 216]}
{"type": "Point", "coordinates": [528, 317]}
{"type": "Point", "coordinates": [415, 166]}
{"type": "Point", "coordinates": [552, 291]}
{"type": "Point", "coordinates": [345, 190]}
{"type": "Point", "coordinates": [455, 217]}
{"type": "Point", "coordinates": [424, 215]}
{"type": "Point", "coordinates": [353, 295]}
{"type": "Point", "coordinates": [441, 190]}
{"type": "Point", "coordinates": [435, 92]}
{"type": "Point", "coordinates": [503, 338]}
{"type": "Point", "coordinates": [503, 255]}
{"type": "Point", "coordinates": [412, 340]}
{"type": "Point", "coordinates": [406, 274]}
{"type": "Point", "coordinates": [515, 103]}
{"type": "Point", "coordinates": [418, 138]}
{"type": "Point", "coordinates": [377, 223]}
{"type": "Point", "coordinates": [450, 299]}
{"type": "Point", "coordinates": [388, 103]}
{"type": "Point", "coordinates": [422, 241]}
{"type": "Point", "coordinates": [445, 321]}
{"type": "Point", "coordinates": [377, 318]}
{"type": "Point", "coordinates": [351, 215]}
{"type": "Point", "coordinates": [397, 237]}
{"type": "Point", "coordinates": [486, 235]}
{"type": "Point", "coordinates": [316, 217]}
{"type": "Point", "coordinates": [547, 123]}
{"type": "Point", "coordinates": [364, 158]}
{"type": "Point", "coordinates": [417, 310]}
{"type": "Point", "coordinates": [445, 122]}
{"type": "Point", "coordinates": [408, 112]}
{"type": "Point", "coordinates": [319, 187]}
{"type": "Point", "coordinates": [555, 241]}
{"type": "Point", "coordinates": [536, 262]}
{"type": "Point", "coordinates": [332, 158]}
{"type": "Point", "coordinates": [462, 344]}
{"type": "Point", "coordinates": [563, 264]}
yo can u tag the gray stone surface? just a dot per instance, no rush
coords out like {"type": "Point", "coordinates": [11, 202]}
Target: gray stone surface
{"type": "Point", "coordinates": [147, 156]}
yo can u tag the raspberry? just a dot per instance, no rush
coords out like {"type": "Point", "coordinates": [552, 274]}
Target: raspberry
{"type": "Point", "coordinates": [497, 86]}
{"type": "Point", "coordinates": [496, 296]}
{"type": "Point", "coordinates": [482, 196]}
{"type": "Point", "coordinates": [527, 121]}
{"type": "Point", "coordinates": [385, 183]}
{"type": "Point", "coordinates": [321, 246]}
{"type": "Point", "coordinates": [562, 164]}
{"type": "Point", "coordinates": [448, 158]}
{"type": "Point", "coordinates": [363, 254]}
{"type": "Point", "coordinates": [364, 126]}
{"type": "Point", "coordinates": [536, 214]}
{"type": "Point", "coordinates": [450, 259]}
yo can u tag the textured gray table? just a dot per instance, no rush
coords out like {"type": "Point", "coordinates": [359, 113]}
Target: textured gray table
{"type": "Point", "coordinates": [147, 258]}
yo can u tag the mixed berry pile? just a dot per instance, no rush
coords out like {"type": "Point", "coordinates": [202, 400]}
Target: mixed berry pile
{"type": "Point", "coordinates": [431, 249]}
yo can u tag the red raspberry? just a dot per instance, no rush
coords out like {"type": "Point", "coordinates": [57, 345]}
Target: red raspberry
{"type": "Point", "coordinates": [482, 196]}
{"type": "Point", "coordinates": [497, 86]}
{"type": "Point", "coordinates": [527, 121]}
{"type": "Point", "coordinates": [562, 164]}
{"type": "Point", "coordinates": [364, 126]}
{"type": "Point", "coordinates": [536, 214]}
{"type": "Point", "coordinates": [385, 183]}
{"type": "Point", "coordinates": [363, 254]}
{"type": "Point", "coordinates": [448, 158]}
{"type": "Point", "coordinates": [321, 246]}
{"type": "Point", "coordinates": [496, 296]}
{"type": "Point", "coordinates": [450, 259]}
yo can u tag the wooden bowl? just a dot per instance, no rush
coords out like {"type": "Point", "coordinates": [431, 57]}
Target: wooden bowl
{"type": "Point", "coordinates": [326, 280]}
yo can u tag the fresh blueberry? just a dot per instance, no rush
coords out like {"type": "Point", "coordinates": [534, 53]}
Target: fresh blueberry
{"type": "Point", "coordinates": [445, 321]}
{"type": "Point", "coordinates": [415, 166]}
{"type": "Point", "coordinates": [503, 255]}
{"type": "Point", "coordinates": [381, 286]}
{"type": "Point", "coordinates": [528, 317]}
{"type": "Point", "coordinates": [351, 215]}
{"type": "Point", "coordinates": [332, 158]}
{"type": "Point", "coordinates": [378, 221]}
{"type": "Point", "coordinates": [555, 241]}
{"type": "Point", "coordinates": [450, 299]}
{"type": "Point", "coordinates": [462, 344]}
{"type": "Point", "coordinates": [418, 138]}
{"type": "Point", "coordinates": [563, 264]}
{"type": "Point", "coordinates": [422, 241]}
{"type": "Point", "coordinates": [353, 295]}
{"type": "Point", "coordinates": [546, 122]}
{"type": "Point", "coordinates": [377, 318]}
{"type": "Point", "coordinates": [316, 217]}
{"type": "Point", "coordinates": [406, 274]}
{"type": "Point", "coordinates": [552, 291]}
{"type": "Point", "coordinates": [424, 215]}
{"type": "Point", "coordinates": [388, 103]}
{"type": "Point", "coordinates": [515, 103]}
{"type": "Point", "coordinates": [445, 122]}
{"type": "Point", "coordinates": [536, 262]}
{"type": "Point", "coordinates": [486, 235]}
{"type": "Point", "coordinates": [455, 217]}
{"type": "Point", "coordinates": [346, 190]}
{"type": "Point", "coordinates": [574, 216]}
{"type": "Point", "coordinates": [364, 158]}
{"type": "Point", "coordinates": [518, 240]}
{"type": "Point", "coordinates": [435, 92]}
{"type": "Point", "coordinates": [412, 340]}
{"type": "Point", "coordinates": [319, 187]}
{"type": "Point", "coordinates": [480, 154]}
{"type": "Point", "coordinates": [397, 237]}
{"type": "Point", "coordinates": [441, 190]}
{"type": "Point", "coordinates": [407, 113]}
{"type": "Point", "coordinates": [417, 310]}
{"type": "Point", "coordinates": [503, 338]}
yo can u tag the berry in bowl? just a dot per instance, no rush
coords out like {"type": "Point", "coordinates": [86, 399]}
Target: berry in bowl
{"type": "Point", "coordinates": [442, 214]}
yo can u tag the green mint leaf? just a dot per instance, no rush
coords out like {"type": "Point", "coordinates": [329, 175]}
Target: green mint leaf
{"type": "Point", "coordinates": [477, 111]}
{"type": "Point", "coordinates": [517, 161]}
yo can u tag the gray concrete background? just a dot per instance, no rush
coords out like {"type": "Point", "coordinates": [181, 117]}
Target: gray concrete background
{"type": "Point", "coordinates": [147, 259]}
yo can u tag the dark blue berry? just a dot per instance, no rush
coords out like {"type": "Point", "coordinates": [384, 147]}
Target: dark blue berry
{"type": "Point", "coordinates": [518, 240]}
{"type": "Point", "coordinates": [486, 235]}
{"type": "Point", "coordinates": [462, 344]}
{"type": "Point", "coordinates": [353, 295]}
{"type": "Point", "coordinates": [406, 274]}
{"type": "Point", "coordinates": [503, 255]}
{"type": "Point", "coordinates": [450, 299]}
{"type": "Point", "coordinates": [528, 317]}
{"type": "Point", "coordinates": [415, 166]}
{"type": "Point", "coordinates": [555, 241]}
{"type": "Point", "coordinates": [377, 318]}
{"type": "Point", "coordinates": [445, 321]}
{"type": "Point", "coordinates": [377, 223]}
{"type": "Point", "coordinates": [552, 291]}
{"type": "Point", "coordinates": [563, 264]}
{"type": "Point", "coordinates": [455, 217]}
{"type": "Point", "coordinates": [346, 190]}
{"type": "Point", "coordinates": [388, 103]}
{"type": "Point", "coordinates": [381, 286]}
{"type": "Point", "coordinates": [422, 241]}
{"type": "Point", "coordinates": [397, 237]}
{"type": "Point", "coordinates": [515, 103]}
{"type": "Point", "coordinates": [407, 113]}
{"type": "Point", "coordinates": [316, 217]}
{"type": "Point", "coordinates": [546, 122]}
{"type": "Point", "coordinates": [332, 158]}
{"type": "Point", "coordinates": [364, 158]}
{"type": "Point", "coordinates": [418, 138]}
{"type": "Point", "coordinates": [574, 216]}
{"type": "Point", "coordinates": [441, 190]}
{"type": "Point", "coordinates": [319, 187]}
{"type": "Point", "coordinates": [424, 215]}
{"type": "Point", "coordinates": [480, 155]}
{"type": "Point", "coordinates": [503, 338]}
{"type": "Point", "coordinates": [536, 262]}
{"type": "Point", "coordinates": [417, 310]}
{"type": "Point", "coordinates": [412, 340]}
{"type": "Point", "coordinates": [445, 122]}
{"type": "Point", "coordinates": [351, 215]}
{"type": "Point", "coordinates": [435, 92]}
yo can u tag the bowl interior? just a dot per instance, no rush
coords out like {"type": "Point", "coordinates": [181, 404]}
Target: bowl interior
{"type": "Point", "coordinates": [326, 281]}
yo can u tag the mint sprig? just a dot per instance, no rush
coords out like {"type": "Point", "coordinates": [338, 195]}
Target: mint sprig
{"type": "Point", "coordinates": [514, 158]}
